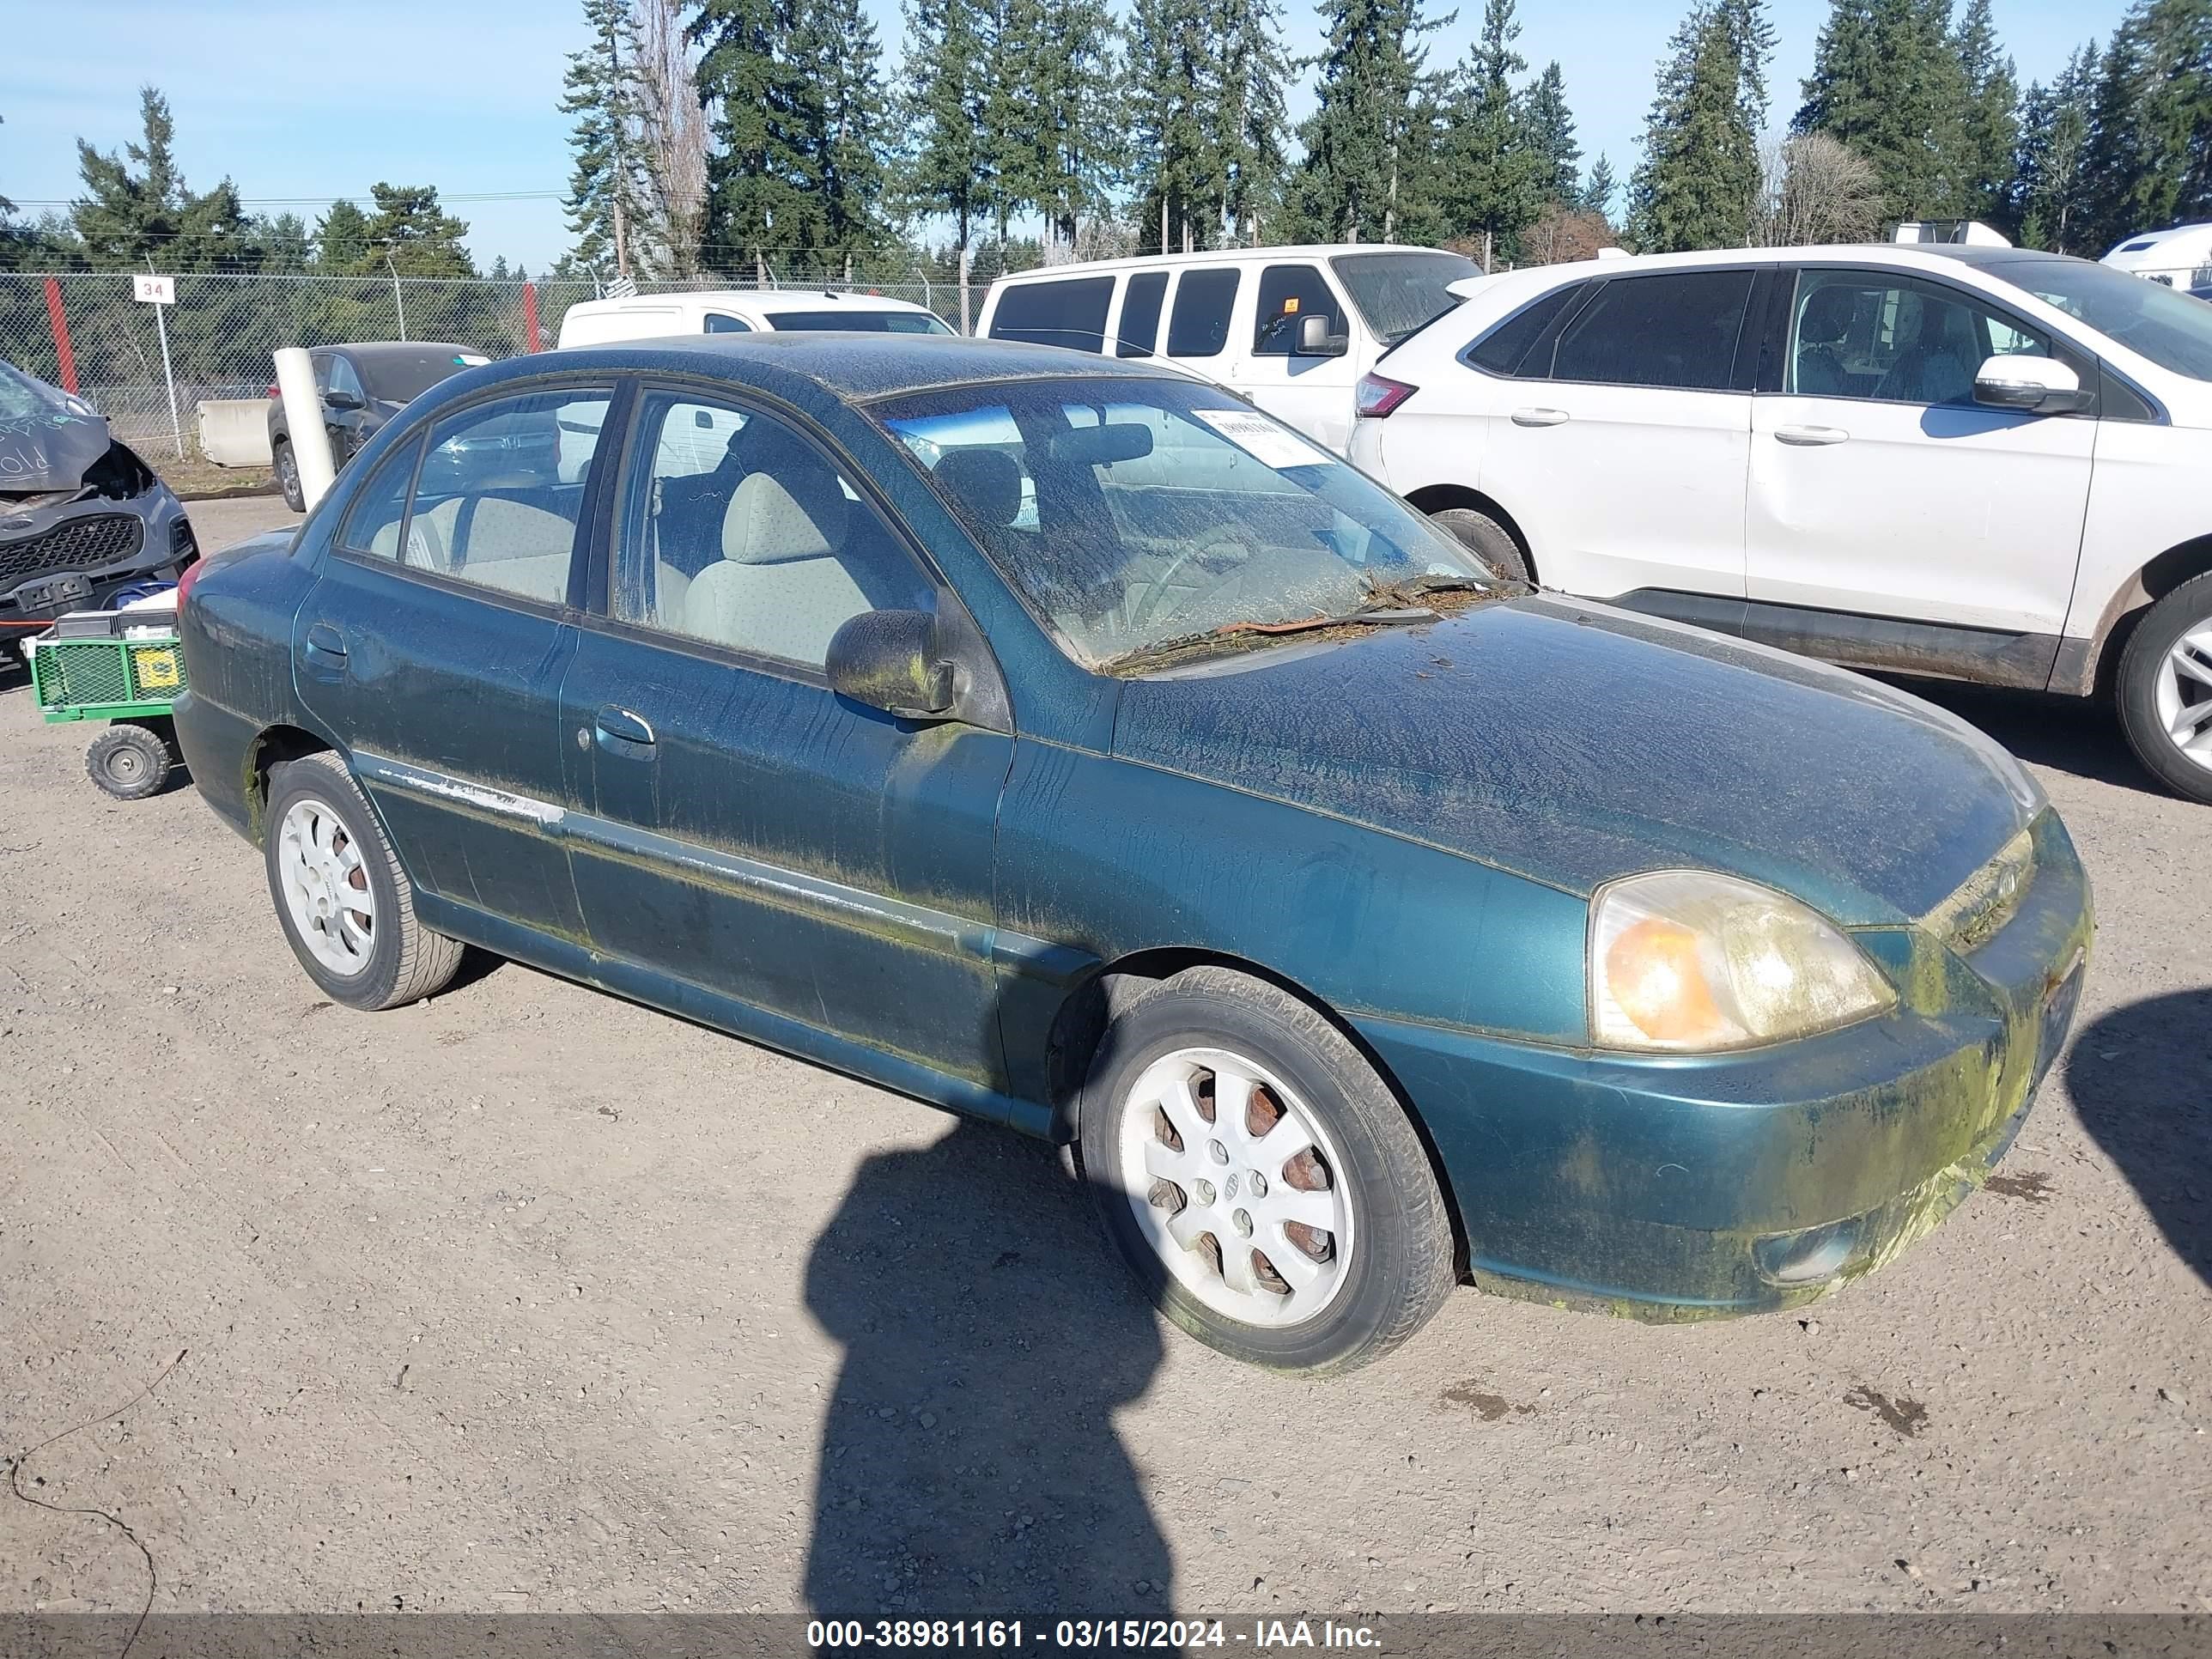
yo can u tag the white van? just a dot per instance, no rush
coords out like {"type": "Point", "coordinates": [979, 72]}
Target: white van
{"type": "Point", "coordinates": [740, 311]}
{"type": "Point", "coordinates": [1291, 328]}
{"type": "Point", "coordinates": [2179, 258]}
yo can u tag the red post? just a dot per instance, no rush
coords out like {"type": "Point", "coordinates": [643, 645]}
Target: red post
{"type": "Point", "coordinates": [62, 355]}
{"type": "Point", "coordinates": [530, 317]}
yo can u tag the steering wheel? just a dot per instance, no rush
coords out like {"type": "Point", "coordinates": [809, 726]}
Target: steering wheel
{"type": "Point", "coordinates": [1141, 605]}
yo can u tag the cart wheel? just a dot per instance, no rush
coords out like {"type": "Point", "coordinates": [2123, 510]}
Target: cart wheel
{"type": "Point", "coordinates": [129, 762]}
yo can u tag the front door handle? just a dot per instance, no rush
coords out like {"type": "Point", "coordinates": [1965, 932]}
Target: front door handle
{"type": "Point", "coordinates": [1810, 437]}
{"type": "Point", "coordinates": [1540, 416]}
{"type": "Point", "coordinates": [619, 727]}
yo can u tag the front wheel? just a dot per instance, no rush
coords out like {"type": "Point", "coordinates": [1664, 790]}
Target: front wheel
{"type": "Point", "coordinates": [346, 905]}
{"type": "Point", "coordinates": [1260, 1177]}
{"type": "Point", "coordinates": [1487, 540]}
{"type": "Point", "coordinates": [2165, 689]}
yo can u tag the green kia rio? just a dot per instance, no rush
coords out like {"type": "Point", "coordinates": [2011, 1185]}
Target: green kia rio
{"type": "Point", "coordinates": [1068, 743]}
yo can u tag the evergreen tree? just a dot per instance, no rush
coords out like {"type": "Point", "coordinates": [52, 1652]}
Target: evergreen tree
{"type": "Point", "coordinates": [1368, 141]}
{"type": "Point", "coordinates": [606, 183]}
{"type": "Point", "coordinates": [1550, 129]}
{"type": "Point", "coordinates": [1598, 190]}
{"type": "Point", "coordinates": [760, 178]}
{"type": "Point", "coordinates": [1888, 82]}
{"type": "Point", "coordinates": [2051, 199]}
{"type": "Point", "coordinates": [2150, 144]}
{"type": "Point", "coordinates": [128, 217]}
{"type": "Point", "coordinates": [285, 244]}
{"type": "Point", "coordinates": [944, 163]}
{"type": "Point", "coordinates": [1173, 86]}
{"type": "Point", "coordinates": [1014, 53]}
{"type": "Point", "coordinates": [341, 240]}
{"type": "Point", "coordinates": [1494, 175]}
{"type": "Point", "coordinates": [1697, 187]}
{"type": "Point", "coordinates": [1250, 122]}
{"type": "Point", "coordinates": [842, 120]}
{"type": "Point", "coordinates": [1991, 116]}
{"type": "Point", "coordinates": [411, 235]}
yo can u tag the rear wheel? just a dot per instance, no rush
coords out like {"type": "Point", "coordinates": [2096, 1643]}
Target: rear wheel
{"type": "Point", "coordinates": [129, 762]}
{"type": "Point", "coordinates": [1487, 540]}
{"type": "Point", "coordinates": [288, 475]}
{"type": "Point", "coordinates": [346, 906]}
{"type": "Point", "coordinates": [2165, 689]}
{"type": "Point", "coordinates": [1260, 1177]}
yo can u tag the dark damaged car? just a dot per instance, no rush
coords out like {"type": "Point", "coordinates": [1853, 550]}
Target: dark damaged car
{"type": "Point", "coordinates": [1072, 746]}
{"type": "Point", "coordinates": [81, 516]}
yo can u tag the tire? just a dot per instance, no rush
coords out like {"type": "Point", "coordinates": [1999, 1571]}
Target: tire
{"type": "Point", "coordinates": [287, 466]}
{"type": "Point", "coordinates": [346, 906]}
{"type": "Point", "coordinates": [2156, 693]}
{"type": "Point", "coordinates": [1488, 540]}
{"type": "Point", "coordinates": [1373, 1274]}
{"type": "Point", "coordinates": [129, 762]}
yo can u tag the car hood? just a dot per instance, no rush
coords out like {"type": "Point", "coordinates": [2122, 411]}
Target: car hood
{"type": "Point", "coordinates": [50, 451]}
{"type": "Point", "coordinates": [1572, 743]}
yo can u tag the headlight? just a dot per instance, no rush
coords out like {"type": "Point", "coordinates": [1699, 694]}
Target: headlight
{"type": "Point", "coordinates": [1684, 961]}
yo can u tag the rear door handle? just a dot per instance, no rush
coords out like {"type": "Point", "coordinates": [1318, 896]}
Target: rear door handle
{"type": "Point", "coordinates": [1540, 416]}
{"type": "Point", "coordinates": [1810, 437]}
{"type": "Point", "coordinates": [325, 642]}
{"type": "Point", "coordinates": [621, 730]}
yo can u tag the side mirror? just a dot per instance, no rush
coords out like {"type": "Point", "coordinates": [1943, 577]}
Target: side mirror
{"type": "Point", "coordinates": [1314, 338]}
{"type": "Point", "coordinates": [341, 400]}
{"type": "Point", "coordinates": [2029, 385]}
{"type": "Point", "coordinates": [892, 660]}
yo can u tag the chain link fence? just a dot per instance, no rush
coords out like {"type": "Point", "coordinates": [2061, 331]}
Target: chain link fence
{"type": "Point", "coordinates": [86, 328]}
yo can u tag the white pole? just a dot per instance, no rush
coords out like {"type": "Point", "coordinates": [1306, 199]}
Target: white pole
{"type": "Point", "coordinates": [176, 427]}
{"type": "Point", "coordinates": [303, 421]}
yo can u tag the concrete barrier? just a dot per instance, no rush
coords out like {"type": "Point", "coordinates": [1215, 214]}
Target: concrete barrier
{"type": "Point", "coordinates": [234, 431]}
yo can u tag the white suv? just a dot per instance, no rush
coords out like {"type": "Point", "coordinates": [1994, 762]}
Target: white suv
{"type": "Point", "coordinates": [1982, 463]}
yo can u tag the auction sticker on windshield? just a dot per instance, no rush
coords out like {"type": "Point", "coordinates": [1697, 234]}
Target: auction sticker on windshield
{"type": "Point", "coordinates": [1261, 439]}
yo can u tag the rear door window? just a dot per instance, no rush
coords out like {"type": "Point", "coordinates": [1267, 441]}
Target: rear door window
{"type": "Point", "coordinates": [1677, 329]}
{"type": "Point", "coordinates": [1288, 295]}
{"type": "Point", "coordinates": [1203, 302]}
{"type": "Point", "coordinates": [1071, 313]}
{"type": "Point", "coordinates": [1139, 330]}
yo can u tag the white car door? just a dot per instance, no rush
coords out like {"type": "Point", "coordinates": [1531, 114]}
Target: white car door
{"type": "Point", "coordinates": [1621, 445]}
{"type": "Point", "coordinates": [1879, 487]}
{"type": "Point", "coordinates": [1313, 394]}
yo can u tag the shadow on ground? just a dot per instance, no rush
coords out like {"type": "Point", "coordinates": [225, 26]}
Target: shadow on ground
{"type": "Point", "coordinates": [969, 1458]}
{"type": "Point", "coordinates": [2081, 735]}
{"type": "Point", "coordinates": [2141, 1077]}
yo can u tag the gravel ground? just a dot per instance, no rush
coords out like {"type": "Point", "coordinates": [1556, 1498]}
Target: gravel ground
{"type": "Point", "coordinates": [526, 1298]}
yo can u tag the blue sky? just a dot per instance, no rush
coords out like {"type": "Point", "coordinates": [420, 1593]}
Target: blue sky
{"type": "Point", "coordinates": [315, 101]}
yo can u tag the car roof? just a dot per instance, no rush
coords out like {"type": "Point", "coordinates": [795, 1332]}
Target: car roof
{"type": "Point", "coordinates": [766, 302]}
{"type": "Point", "coordinates": [855, 366]}
{"type": "Point", "coordinates": [372, 350]}
{"type": "Point", "coordinates": [1217, 256]}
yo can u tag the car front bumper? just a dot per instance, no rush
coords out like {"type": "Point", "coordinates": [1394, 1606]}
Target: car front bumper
{"type": "Point", "coordinates": [1686, 1187]}
{"type": "Point", "coordinates": [76, 557]}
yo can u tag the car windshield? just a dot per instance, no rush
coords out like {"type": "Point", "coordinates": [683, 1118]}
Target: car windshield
{"type": "Point", "coordinates": [2172, 329]}
{"type": "Point", "coordinates": [859, 322]}
{"type": "Point", "coordinates": [1401, 294]}
{"type": "Point", "coordinates": [23, 399]}
{"type": "Point", "coordinates": [1139, 515]}
{"type": "Point", "coordinates": [399, 377]}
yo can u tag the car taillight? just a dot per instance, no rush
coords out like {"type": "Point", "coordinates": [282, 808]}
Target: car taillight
{"type": "Point", "coordinates": [276, 391]}
{"type": "Point", "coordinates": [1378, 395]}
{"type": "Point", "coordinates": [185, 578]}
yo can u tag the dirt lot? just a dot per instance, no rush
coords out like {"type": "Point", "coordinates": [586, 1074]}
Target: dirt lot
{"type": "Point", "coordinates": [528, 1299]}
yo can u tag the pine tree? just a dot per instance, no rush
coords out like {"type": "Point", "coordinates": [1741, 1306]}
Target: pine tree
{"type": "Point", "coordinates": [842, 120]}
{"type": "Point", "coordinates": [413, 235]}
{"type": "Point", "coordinates": [1697, 187]}
{"type": "Point", "coordinates": [1368, 142]}
{"type": "Point", "coordinates": [606, 183]}
{"type": "Point", "coordinates": [128, 217]}
{"type": "Point", "coordinates": [2150, 144]}
{"type": "Point", "coordinates": [1550, 129]}
{"type": "Point", "coordinates": [1888, 82]}
{"type": "Point", "coordinates": [2050, 193]}
{"type": "Point", "coordinates": [1598, 190]}
{"type": "Point", "coordinates": [1014, 53]}
{"type": "Point", "coordinates": [1173, 86]}
{"type": "Point", "coordinates": [945, 164]}
{"type": "Point", "coordinates": [760, 178]}
{"type": "Point", "coordinates": [341, 240]}
{"type": "Point", "coordinates": [1494, 176]}
{"type": "Point", "coordinates": [1991, 116]}
{"type": "Point", "coordinates": [1250, 125]}
{"type": "Point", "coordinates": [285, 242]}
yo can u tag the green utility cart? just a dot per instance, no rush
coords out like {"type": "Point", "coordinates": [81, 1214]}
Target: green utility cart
{"type": "Point", "coordinates": [121, 666]}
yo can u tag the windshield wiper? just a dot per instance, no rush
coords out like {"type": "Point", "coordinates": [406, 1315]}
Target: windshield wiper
{"type": "Point", "coordinates": [1244, 635]}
